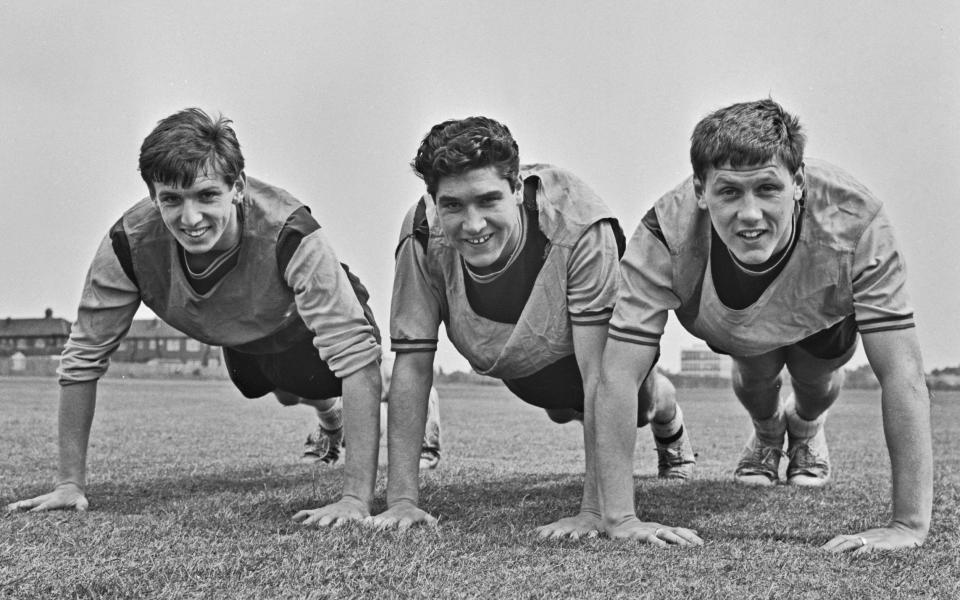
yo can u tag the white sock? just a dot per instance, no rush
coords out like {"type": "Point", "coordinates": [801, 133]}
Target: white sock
{"type": "Point", "coordinates": [800, 428]}
{"type": "Point", "coordinates": [669, 429]}
{"type": "Point", "coordinates": [332, 418]}
{"type": "Point", "coordinates": [772, 429]}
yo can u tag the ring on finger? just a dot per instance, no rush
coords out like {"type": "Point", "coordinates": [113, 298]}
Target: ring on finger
{"type": "Point", "coordinates": [656, 533]}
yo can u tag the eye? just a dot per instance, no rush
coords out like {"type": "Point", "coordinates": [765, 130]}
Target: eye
{"type": "Point", "coordinates": [450, 205]}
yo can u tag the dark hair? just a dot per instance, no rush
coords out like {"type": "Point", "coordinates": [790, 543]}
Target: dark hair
{"type": "Point", "coordinates": [461, 145]}
{"type": "Point", "coordinates": [187, 143]}
{"type": "Point", "coordinates": [744, 134]}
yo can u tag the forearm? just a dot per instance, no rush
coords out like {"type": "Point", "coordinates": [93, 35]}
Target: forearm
{"type": "Point", "coordinates": [616, 427]}
{"type": "Point", "coordinates": [906, 424]}
{"type": "Point", "coordinates": [409, 392]}
{"type": "Point", "coordinates": [361, 407]}
{"type": "Point", "coordinates": [591, 495]}
{"type": "Point", "coordinates": [77, 405]}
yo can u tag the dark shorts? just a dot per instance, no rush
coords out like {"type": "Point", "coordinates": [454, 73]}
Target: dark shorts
{"type": "Point", "coordinates": [298, 370]}
{"type": "Point", "coordinates": [558, 386]}
{"type": "Point", "coordinates": [828, 344]}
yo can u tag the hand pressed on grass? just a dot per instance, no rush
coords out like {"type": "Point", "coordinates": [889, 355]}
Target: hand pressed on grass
{"type": "Point", "coordinates": [584, 524]}
{"type": "Point", "coordinates": [68, 496]}
{"type": "Point", "coordinates": [653, 533]}
{"type": "Point", "coordinates": [403, 516]}
{"type": "Point", "coordinates": [893, 537]}
{"type": "Point", "coordinates": [334, 515]}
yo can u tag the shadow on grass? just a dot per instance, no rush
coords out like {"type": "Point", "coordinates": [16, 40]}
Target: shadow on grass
{"type": "Point", "coordinates": [504, 506]}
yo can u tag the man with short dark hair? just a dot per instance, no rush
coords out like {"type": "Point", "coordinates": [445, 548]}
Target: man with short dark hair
{"type": "Point", "coordinates": [234, 262]}
{"type": "Point", "coordinates": [520, 264]}
{"type": "Point", "coordinates": [778, 263]}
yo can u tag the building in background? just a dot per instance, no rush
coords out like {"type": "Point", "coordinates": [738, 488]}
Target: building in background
{"type": "Point", "coordinates": [701, 361]}
{"type": "Point", "coordinates": [153, 341]}
{"type": "Point", "coordinates": [34, 337]}
{"type": "Point", "coordinates": [148, 341]}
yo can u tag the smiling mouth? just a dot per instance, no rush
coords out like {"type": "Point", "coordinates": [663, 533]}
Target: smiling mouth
{"type": "Point", "coordinates": [478, 240]}
{"type": "Point", "coordinates": [195, 233]}
{"type": "Point", "coordinates": [751, 234]}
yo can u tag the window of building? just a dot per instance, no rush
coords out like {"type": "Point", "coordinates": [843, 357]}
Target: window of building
{"type": "Point", "coordinates": [173, 345]}
{"type": "Point", "coordinates": [193, 345]}
{"type": "Point", "coordinates": [153, 344]}
{"type": "Point", "coordinates": [39, 343]}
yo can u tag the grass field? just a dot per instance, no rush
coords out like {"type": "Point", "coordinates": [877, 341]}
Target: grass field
{"type": "Point", "coordinates": [191, 491]}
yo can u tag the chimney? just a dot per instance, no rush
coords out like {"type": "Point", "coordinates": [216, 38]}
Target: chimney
{"type": "Point", "coordinates": [48, 314]}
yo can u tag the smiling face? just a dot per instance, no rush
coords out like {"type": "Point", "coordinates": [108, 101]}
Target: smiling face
{"type": "Point", "coordinates": [480, 216]}
{"type": "Point", "coordinates": [751, 207]}
{"type": "Point", "coordinates": [202, 217]}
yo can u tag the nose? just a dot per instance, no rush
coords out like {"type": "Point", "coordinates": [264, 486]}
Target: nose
{"type": "Point", "coordinates": [190, 213]}
{"type": "Point", "coordinates": [473, 221]}
{"type": "Point", "coordinates": [750, 208]}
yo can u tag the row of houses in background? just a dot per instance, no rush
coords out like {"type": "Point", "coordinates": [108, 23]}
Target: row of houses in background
{"type": "Point", "coordinates": [148, 341]}
{"type": "Point", "coordinates": [153, 341]}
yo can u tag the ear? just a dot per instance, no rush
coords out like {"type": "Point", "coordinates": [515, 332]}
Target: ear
{"type": "Point", "coordinates": [799, 179]}
{"type": "Point", "coordinates": [698, 192]}
{"type": "Point", "coordinates": [238, 186]}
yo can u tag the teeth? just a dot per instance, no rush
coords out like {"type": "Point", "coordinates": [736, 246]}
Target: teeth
{"type": "Point", "coordinates": [479, 240]}
{"type": "Point", "coordinates": [751, 234]}
{"type": "Point", "coordinates": [195, 233]}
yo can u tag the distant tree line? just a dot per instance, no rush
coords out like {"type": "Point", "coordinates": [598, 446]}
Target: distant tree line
{"type": "Point", "coordinates": [859, 378]}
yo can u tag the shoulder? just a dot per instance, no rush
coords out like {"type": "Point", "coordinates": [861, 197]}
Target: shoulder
{"type": "Point", "coordinates": [415, 224]}
{"type": "Point", "coordinates": [567, 206]}
{"type": "Point", "coordinates": [839, 206]}
{"type": "Point", "coordinates": [265, 201]}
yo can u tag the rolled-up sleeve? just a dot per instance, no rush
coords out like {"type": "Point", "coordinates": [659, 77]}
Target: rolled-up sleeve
{"type": "Point", "coordinates": [329, 306]}
{"type": "Point", "coordinates": [107, 306]}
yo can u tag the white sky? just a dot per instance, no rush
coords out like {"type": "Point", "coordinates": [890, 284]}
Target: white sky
{"type": "Point", "coordinates": [330, 100]}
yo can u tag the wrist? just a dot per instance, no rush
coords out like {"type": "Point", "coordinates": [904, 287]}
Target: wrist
{"type": "Point", "coordinates": [412, 503]}
{"type": "Point", "coordinates": [355, 501]}
{"type": "Point", "coordinates": [69, 482]}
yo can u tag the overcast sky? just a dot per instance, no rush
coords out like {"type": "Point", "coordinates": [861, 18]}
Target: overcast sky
{"type": "Point", "coordinates": [330, 100]}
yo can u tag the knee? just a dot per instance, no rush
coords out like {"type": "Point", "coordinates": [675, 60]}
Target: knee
{"type": "Point", "coordinates": [745, 383]}
{"type": "Point", "coordinates": [826, 386]}
{"type": "Point", "coordinates": [656, 394]}
{"type": "Point", "coordinates": [564, 415]}
{"type": "Point", "coordinates": [286, 398]}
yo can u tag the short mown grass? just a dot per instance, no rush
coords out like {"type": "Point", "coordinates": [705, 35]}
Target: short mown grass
{"type": "Point", "coordinates": [191, 491]}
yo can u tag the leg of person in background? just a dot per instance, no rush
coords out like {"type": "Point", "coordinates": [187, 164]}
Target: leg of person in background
{"type": "Point", "coordinates": [430, 454]}
{"type": "Point", "coordinates": [675, 455]}
{"type": "Point", "coordinates": [324, 444]}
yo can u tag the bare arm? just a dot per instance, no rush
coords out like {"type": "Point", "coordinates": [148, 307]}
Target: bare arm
{"type": "Point", "coordinates": [77, 405]}
{"type": "Point", "coordinates": [624, 366]}
{"type": "Point", "coordinates": [895, 358]}
{"type": "Point", "coordinates": [409, 392]}
{"type": "Point", "coordinates": [588, 342]}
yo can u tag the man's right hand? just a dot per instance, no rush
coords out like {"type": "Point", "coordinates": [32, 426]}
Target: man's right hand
{"type": "Point", "coordinates": [66, 496]}
{"type": "Point", "coordinates": [334, 515]}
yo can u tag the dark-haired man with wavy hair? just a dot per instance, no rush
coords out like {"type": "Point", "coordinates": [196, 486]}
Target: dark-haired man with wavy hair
{"type": "Point", "coordinates": [520, 264]}
{"type": "Point", "coordinates": [778, 263]}
{"type": "Point", "coordinates": [234, 262]}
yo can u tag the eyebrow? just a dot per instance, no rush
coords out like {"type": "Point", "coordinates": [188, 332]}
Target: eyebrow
{"type": "Point", "coordinates": [493, 195]}
{"type": "Point", "coordinates": [724, 178]}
